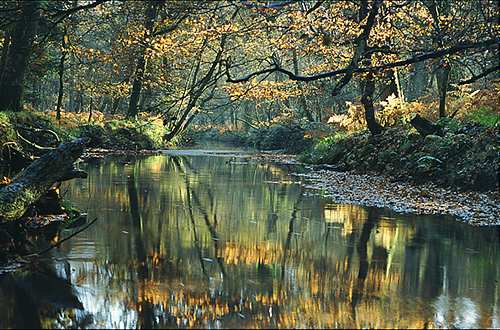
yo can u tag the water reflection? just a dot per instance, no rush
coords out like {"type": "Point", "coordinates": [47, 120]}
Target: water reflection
{"type": "Point", "coordinates": [199, 241]}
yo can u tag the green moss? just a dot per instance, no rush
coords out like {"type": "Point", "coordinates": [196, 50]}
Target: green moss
{"type": "Point", "coordinates": [327, 150]}
{"type": "Point", "coordinates": [115, 134]}
{"type": "Point", "coordinates": [484, 116]}
{"type": "Point", "coordinates": [7, 133]}
{"type": "Point", "coordinates": [13, 206]}
{"type": "Point", "coordinates": [133, 134]}
{"type": "Point", "coordinates": [123, 134]}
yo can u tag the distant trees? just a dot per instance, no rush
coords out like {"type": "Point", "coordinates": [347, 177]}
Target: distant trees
{"type": "Point", "coordinates": [150, 16]}
{"type": "Point", "coordinates": [19, 23]}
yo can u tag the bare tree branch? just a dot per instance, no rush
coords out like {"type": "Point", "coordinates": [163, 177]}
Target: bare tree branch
{"type": "Point", "coordinates": [350, 70]}
{"type": "Point", "coordinates": [65, 13]}
{"type": "Point", "coordinates": [479, 76]}
{"type": "Point", "coordinates": [315, 6]}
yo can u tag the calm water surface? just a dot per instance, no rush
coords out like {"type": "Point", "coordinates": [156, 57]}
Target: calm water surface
{"type": "Point", "coordinates": [192, 240]}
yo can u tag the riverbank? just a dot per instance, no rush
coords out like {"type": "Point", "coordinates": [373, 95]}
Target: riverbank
{"type": "Point", "coordinates": [26, 135]}
{"type": "Point", "coordinates": [462, 156]}
{"type": "Point", "coordinates": [372, 189]}
{"type": "Point", "coordinates": [429, 177]}
{"type": "Point", "coordinates": [454, 173]}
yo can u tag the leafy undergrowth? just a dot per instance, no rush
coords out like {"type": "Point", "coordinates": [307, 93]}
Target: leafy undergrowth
{"type": "Point", "coordinates": [467, 156]}
{"type": "Point", "coordinates": [466, 104]}
{"type": "Point", "coordinates": [123, 135]}
{"type": "Point", "coordinates": [114, 131]}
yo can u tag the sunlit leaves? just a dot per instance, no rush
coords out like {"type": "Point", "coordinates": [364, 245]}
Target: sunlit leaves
{"type": "Point", "coordinates": [264, 90]}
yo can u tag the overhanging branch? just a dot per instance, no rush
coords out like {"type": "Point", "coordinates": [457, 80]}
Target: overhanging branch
{"type": "Point", "coordinates": [351, 70]}
{"type": "Point", "coordinates": [479, 76]}
{"type": "Point", "coordinates": [65, 13]}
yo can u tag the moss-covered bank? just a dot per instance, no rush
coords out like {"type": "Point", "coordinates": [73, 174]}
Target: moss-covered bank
{"type": "Point", "coordinates": [27, 134]}
{"type": "Point", "coordinates": [466, 156]}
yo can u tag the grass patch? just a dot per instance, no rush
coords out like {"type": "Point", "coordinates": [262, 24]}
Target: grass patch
{"type": "Point", "coordinates": [484, 116]}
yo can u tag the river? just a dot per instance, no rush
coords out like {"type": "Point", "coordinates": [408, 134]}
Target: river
{"type": "Point", "coordinates": [190, 239]}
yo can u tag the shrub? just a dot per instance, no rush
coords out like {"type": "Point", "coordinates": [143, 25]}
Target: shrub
{"type": "Point", "coordinates": [96, 134]}
{"type": "Point", "coordinates": [326, 150]}
{"type": "Point", "coordinates": [290, 138]}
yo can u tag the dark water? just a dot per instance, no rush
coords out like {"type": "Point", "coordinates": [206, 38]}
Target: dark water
{"type": "Point", "coordinates": [201, 241]}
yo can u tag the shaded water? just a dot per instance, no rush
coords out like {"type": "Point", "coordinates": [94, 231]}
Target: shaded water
{"type": "Point", "coordinates": [203, 241]}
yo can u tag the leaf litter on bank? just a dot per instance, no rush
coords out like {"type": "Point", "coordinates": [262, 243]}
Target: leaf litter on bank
{"type": "Point", "coordinates": [376, 190]}
{"type": "Point", "coordinates": [372, 189]}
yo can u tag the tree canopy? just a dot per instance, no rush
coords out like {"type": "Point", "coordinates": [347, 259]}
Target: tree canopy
{"type": "Point", "coordinates": [242, 61]}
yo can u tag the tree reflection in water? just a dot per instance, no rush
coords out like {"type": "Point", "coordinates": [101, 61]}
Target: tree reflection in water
{"type": "Point", "coordinates": [198, 242]}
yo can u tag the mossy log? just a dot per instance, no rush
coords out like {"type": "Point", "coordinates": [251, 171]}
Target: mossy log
{"type": "Point", "coordinates": [36, 179]}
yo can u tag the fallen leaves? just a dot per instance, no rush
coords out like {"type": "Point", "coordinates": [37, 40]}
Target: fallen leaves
{"type": "Point", "coordinates": [380, 191]}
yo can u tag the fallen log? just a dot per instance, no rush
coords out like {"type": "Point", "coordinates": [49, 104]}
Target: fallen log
{"type": "Point", "coordinates": [36, 179]}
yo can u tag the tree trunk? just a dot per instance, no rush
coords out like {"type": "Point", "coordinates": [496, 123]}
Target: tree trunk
{"type": "Point", "coordinates": [136, 88]}
{"type": "Point", "coordinates": [150, 17]}
{"type": "Point", "coordinates": [195, 93]}
{"type": "Point", "coordinates": [442, 76]}
{"type": "Point", "coordinates": [80, 102]}
{"type": "Point", "coordinates": [61, 77]}
{"type": "Point", "coordinates": [302, 98]}
{"type": "Point", "coordinates": [16, 63]}
{"type": "Point", "coordinates": [418, 81]}
{"type": "Point", "coordinates": [90, 108]}
{"type": "Point", "coordinates": [363, 52]}
{"type": "Point", "coordinates": [5, 50]}
{"type": "Point", "coordinates": [368, 86]}
{"type": "Point", "coordinates": [71, 107]}
{"type": "Point", "coordinates": [443, 68]}
{"type": "Point", "coordinates": [145, 100]}
{"type": "Point", "coordinates": [116, 104]}
{"type": "Point", "coordinates": [35, 180]}
{"type": "Point", "coordinates": [390, 86]}
{"type": "Point", "coordinates": [104, 104]}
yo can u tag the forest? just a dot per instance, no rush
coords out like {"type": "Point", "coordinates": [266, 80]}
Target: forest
{"type": "Point", "coordinates": [249, 163]}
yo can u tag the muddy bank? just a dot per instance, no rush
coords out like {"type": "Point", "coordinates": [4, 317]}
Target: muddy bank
{"type": "Point", "coordinates": [475, 208]}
